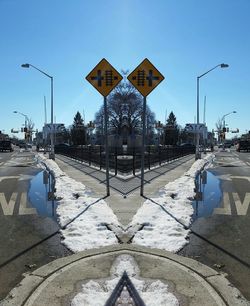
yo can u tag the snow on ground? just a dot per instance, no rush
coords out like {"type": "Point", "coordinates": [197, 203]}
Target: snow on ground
{"type": "Point", "coordinates": [159, 229]}
{"type": "Point", "coordinates": [151, 226]}
{"type": "Point", "coordinates": [89, 229]}
{"type": "Point", "coordinates": [153, 293]}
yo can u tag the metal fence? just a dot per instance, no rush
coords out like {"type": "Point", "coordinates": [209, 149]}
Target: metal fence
{"type": "Point", "coordinates": [124, 162]}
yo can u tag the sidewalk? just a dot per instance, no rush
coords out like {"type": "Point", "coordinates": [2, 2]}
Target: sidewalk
{"type": "Point", "coordinates": [58, 282]}
{"type": "Point", "coordinates": [125, 207]}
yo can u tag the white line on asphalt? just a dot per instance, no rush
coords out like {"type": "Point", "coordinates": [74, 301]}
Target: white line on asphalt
{"type": "Point", "coordinates": [226, 208]}
{"type": "Point", "coordinates": [8, 178]}
{"type": "Point", "coordinates": [8, 207]}
{"type": "Point", "coordinates": [23, 209]}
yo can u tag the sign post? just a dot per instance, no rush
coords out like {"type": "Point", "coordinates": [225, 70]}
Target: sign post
{"type": "Point", "coordinates": [145, 78]}
{"type": "Point", "coordinates": [104, 77]}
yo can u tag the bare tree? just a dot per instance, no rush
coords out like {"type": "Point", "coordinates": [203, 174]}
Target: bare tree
{"type": "Point", "coordinates": [124, 112]}
{"type": "Point", "coordinates": [219, 126]}
{"type": "Point", "coordinates": [29, 126]}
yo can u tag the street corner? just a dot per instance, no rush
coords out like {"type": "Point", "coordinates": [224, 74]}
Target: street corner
{"type": "Point", "coordinates": [91, 278]}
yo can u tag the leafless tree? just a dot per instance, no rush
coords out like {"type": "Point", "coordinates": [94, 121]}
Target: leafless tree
{"type": "Point", "coordinates": [124, 110]}
{"type": "Point", "coordinates": [29, 125]}
{"type": "Point", "coordinates": [219, 126]}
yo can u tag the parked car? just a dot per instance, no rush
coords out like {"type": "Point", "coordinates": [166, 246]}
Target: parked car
{"type": "Point", "coordinates": [243, 145]}
{"type": "Point", "coordinates": [6, 145]}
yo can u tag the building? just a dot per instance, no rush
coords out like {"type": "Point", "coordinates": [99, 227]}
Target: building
{"type": "Point", "coordinates": [57, 131]}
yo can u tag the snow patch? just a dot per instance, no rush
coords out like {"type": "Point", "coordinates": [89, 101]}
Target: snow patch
{"type": "Point", "coordinates": [162, 231]}
{"type": "Point", "coordinates": [153, 293]}
{"type": "Point", "coordinates": [90, 229]}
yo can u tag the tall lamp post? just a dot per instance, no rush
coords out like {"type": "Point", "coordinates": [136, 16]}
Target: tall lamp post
{"type": "Point", "coordinates": [197, 153]}
{"type": "Point", "coordinates": [223, 119]}
{"type": "Point", "coordinates": [25, 122]}
{"type": "Point", "coordinates": [52, 153]}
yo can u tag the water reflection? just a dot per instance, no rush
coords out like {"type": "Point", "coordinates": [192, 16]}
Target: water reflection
{"type": "Point", "coordinates": [41, 194]}
{"type": "Point", "coordinates": [208, 194]}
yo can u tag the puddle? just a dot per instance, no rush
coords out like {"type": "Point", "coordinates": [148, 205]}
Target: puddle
{"type": "Point", "coordinates": [41, 195]}
{"type": "Point", "coordinates": [208, 195]}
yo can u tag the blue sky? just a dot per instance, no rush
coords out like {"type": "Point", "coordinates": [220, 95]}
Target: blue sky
{"type": "Point", "coordinates": [183, 39]}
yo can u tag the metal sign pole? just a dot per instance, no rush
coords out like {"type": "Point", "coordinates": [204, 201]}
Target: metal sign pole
{"type": "Point", "coordinates": [106, 144]}
{"type": "Point", "coordinates": [143, 143]}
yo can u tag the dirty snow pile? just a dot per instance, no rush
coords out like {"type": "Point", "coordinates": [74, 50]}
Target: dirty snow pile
{"type": "Point", "coordinates": [89, 230]}
{"type": "Point", "coordinates": [153, 293]}
{"type": "Point", "coordinates": [96, 225]}
{"type": "Point", "coordinates": [158, 228]}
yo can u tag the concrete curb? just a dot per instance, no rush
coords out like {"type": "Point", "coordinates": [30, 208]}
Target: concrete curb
{"type": "Point", "coordinates": [32, 288]}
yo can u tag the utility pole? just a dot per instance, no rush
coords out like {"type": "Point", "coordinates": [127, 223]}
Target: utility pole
{"type": "Point", "coordinates": [204, 113]}
{"type": "Point", "coordinates": [45, 111]}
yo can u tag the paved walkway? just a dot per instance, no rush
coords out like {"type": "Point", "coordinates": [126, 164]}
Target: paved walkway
{"type": "Point", "coordinates": [124, 205]}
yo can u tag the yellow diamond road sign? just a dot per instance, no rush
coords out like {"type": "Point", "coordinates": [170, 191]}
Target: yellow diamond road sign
{"type": "Point", "coordinates": [104, 77]}
{"type": "Point", "coordinates": [145, 77]}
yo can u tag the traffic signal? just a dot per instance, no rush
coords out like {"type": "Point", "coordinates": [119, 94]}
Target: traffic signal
{"type": "Point", "coordinates": [224, 130]}
{"type": "Point", "coordinates": [25, 130]}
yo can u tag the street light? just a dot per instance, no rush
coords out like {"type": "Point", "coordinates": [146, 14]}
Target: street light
{"type": "Point", "coordinates": [197, 153]}
{"type": "Point", "coordinates": [52, 154]}
{"type": "Point", "coordinates": [223, 118]}
{"type": "Point", "coordinates": [26, 119]}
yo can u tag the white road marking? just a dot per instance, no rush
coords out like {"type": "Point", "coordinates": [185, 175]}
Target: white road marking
{"type": "Point", "coordinates": [241, 177]}
{"type": "Point", "coordinates": [24, 177]}
{"type": "Point", "coordinates": [8, 208]}
{"type": "Point", "coordinates": [23, 209]}
{"type": "Point", "coordinates": [241, 208]}
{"type": "Point", "coordinates": [226, 209]}
{"type": "Point", "coordinates": [224, 177]}
{"type": "Point", "coordinates": [2, 178]}
{"type": "Point", "coordinates": [228, 158]}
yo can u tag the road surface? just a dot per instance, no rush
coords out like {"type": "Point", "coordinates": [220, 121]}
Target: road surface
{"type": "Point", "coordinates": [21, 226]}
{"type": "Point", "coordinates": [229, 225]}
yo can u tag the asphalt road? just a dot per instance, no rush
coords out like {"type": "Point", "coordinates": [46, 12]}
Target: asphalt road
{"type": "Point", "coordinates": [21, 226]}
{"type": "Point", "coordinates": [229, 225]}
